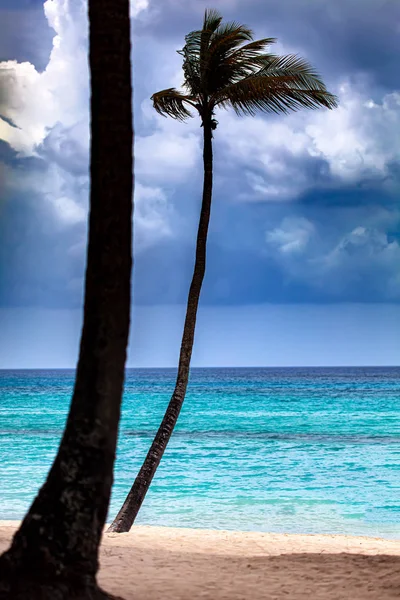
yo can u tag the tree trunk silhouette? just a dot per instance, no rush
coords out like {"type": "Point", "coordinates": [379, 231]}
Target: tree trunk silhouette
{"type": "Point", "coordinates": [54, 554]}
{"type": "Point", "coordinates": [127, 515]}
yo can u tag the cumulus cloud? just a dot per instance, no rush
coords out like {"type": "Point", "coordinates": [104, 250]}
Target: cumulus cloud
{"type": "Point", "coordinates": [360, 253]}
{"type": "Point", "coordinates": [337, 36]}
{"type": "Point", "coordinates": [138, 6]}
{"type": "Point", "coordinates": [283, 158]}
{"type": "Point", "coordinates": [153, 216]}
{"type": "Point", "coordinates": [49, 111]}
{"type": "Point", "coordinates": [166, 157]}
{"type": "Point", "coordinates": [67, 147]}
{"type": "Point", "coordinates": [46, 115]}
{"type": "Point", "coordinates": [273, 160]}
{"type": "Point", "coordinates": [338, 261]}
{"type": "Point", "coordinates": [38, 100]}
{"type": "Point", "coordinates": [292, 236]}
{"type": "Point", "coordinates": [359, 139]}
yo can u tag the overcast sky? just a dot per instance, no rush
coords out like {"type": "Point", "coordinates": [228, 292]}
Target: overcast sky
{"type": "Point", "coordinates": [304, 254]}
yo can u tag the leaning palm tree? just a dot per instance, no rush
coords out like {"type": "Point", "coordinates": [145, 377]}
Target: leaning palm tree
{"type": "Point", "coordinates": [223, 67]}
{"type": "Point", "coordinates": [54, 554]}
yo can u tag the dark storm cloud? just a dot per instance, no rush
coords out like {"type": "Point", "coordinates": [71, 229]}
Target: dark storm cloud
{"type": "Point", "coordinates": [363, 193]}
{"type": "Point", "coordinates": [342, 38]}
{"type": "Point", "coordinates": [40, 267]}
{"type": "Point", "coordinates": [7, 154]}
{"type": "Point", "coordinates": [347, 252]}
{"type": "Point", "coordinates": [36, 266]}
{"type": "Point", "coordinates": [322, 238]}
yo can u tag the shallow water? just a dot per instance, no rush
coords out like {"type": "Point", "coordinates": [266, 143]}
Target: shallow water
{"type": "Point", "coordinates": [290, 450]}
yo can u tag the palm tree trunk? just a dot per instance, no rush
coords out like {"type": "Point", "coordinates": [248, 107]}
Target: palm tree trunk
{"type": "Point", "coordinates": [54, 554]}
{"type": "Point", "coordinates": [127, 515]}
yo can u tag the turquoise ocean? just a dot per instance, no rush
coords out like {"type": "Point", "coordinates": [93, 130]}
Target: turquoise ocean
{"type": "Point", "coordinates": [296, 450]}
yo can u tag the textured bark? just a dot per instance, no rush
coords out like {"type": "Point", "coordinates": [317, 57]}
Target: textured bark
{"type": "Point", "coordinates": [127, 515]}
{"type": "Point", "coordinates": [54, 554]}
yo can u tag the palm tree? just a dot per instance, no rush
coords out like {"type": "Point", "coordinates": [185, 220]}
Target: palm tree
{"type": "Point", "coordinates": [223, 67]}
{"type": "Point", "coordinates": [54, 554]}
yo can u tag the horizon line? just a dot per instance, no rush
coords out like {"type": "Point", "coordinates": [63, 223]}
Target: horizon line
{"type": "Point", "coordinates": [357, 366]}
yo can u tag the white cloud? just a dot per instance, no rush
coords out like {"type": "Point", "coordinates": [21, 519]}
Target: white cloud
{"type": "Point", "coordinates": [138, 6]}
{"type": "Point", "coordinates": [359, 250]}
{"type": "Point", "coordinates": [359, 253]}
{"type": "Point", "coordinates": [166, 158]}
{"type": "Point", "coordinates": [308, 252]}
{"type": "Point", "coordinates": [357, 140]}
{"type": "Point", "coordinates": [70, 212]}
{"type": "Point", "coordinates": [292, 236]}
{"type": "Point", "coordinates": [273, 148]}
{"type": "Point", "coordinates": [37, 101]}
{"type": "Point", "coordinates": [153, 216]}
{"type": "Point", "coordinates": [172, 150]}
{"type": "Point", "coordinates": [68, 147]}
{"type": "Point", "coordinates": [50, 110]}
{"type": "Point", "coordinates": [360, 137]}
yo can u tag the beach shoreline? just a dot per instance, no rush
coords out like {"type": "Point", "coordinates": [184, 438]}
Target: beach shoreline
{"type": "Point", "coordinates": [173, 563]}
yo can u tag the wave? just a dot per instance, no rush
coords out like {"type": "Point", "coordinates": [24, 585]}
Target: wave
{"type": "Point", "coordinates": [323, 438]}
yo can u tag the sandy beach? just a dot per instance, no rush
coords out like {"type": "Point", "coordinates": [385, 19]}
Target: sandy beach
{"type": "Point", "coordinates": [150, 563]}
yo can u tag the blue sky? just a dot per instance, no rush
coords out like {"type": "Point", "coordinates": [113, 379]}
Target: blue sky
{"type": "Point", "coordinates": [304, 254]}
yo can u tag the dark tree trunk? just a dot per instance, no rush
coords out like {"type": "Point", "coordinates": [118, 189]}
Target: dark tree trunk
{"type": "Point", "coordinates": [54, 554]}
{"type": "Point", "coordinates": [127, 515]}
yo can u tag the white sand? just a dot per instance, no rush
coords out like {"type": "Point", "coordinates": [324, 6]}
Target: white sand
{"type": "Point", "coordinates": [154, 563]}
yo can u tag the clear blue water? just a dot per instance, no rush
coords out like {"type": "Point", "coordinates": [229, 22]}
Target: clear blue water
{"type": "Point", "coordinates": [286, 450]}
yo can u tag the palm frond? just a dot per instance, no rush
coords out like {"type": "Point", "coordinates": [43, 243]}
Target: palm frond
{"type": "Point", "coordinates": [171, 102]}
{"type": "Point", "coordinates": [191, 70]}
{"type": "Point", "coordinates": [215, 71]}
{"type": "Point", "coordinates": [233, 65]}
{"type": "Point", "coordinates": [251, 53]}
{"type": "Point", "coordinates": [290, 65]}
{"type": "Point", "coordinates": [275, 94]}
{"type": "Point", "coordinates": [212, 20]}
{"type": "Point", "coordinates": [229, 36]}
{"type": "Point", "coordinates": [197, 40]}
{"type": "Point", "coordinates": [223, 66]}
{"type": "Point", "coordinates": [195, 50]}
{"type": "Point", "coordinates": [192, 43]}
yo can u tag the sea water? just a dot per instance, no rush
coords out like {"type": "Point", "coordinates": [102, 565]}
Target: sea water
{"type": "Point", "coordinates": [282, 450]}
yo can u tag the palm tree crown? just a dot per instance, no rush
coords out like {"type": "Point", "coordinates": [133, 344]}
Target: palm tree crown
{"type": "Point", "coordinates": [223, 66]}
